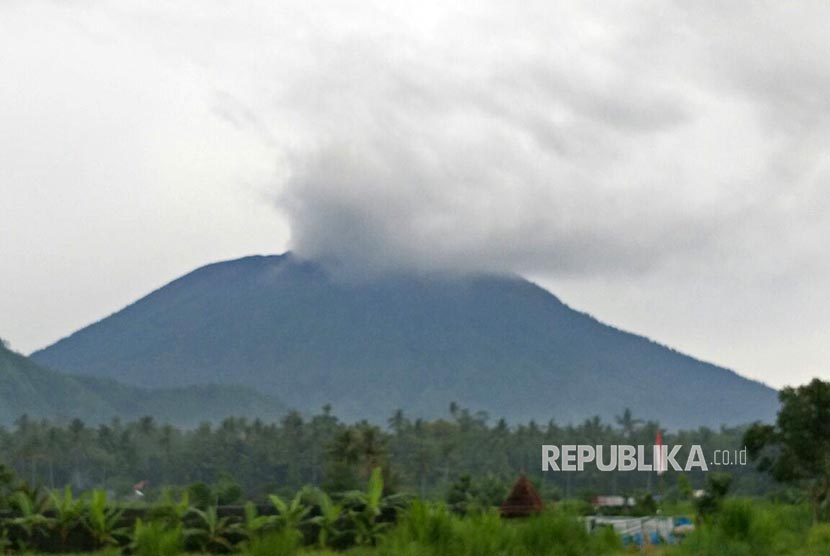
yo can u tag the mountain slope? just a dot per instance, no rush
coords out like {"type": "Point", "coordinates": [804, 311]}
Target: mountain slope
{"type": "Point", "coordinates": [27, 388]}
{"type": "Point", "coordinates": [495, 343]}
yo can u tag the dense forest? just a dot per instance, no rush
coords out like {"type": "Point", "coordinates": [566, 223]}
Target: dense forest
{"type": "Point", "coordinates": [246, 459]}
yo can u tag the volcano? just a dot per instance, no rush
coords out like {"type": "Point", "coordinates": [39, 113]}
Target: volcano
{"type": "Point", "coordinates": [417, 342]}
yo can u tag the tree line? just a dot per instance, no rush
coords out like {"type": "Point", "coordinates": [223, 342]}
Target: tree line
{"type": "Point", "coordinates": [241, 458]}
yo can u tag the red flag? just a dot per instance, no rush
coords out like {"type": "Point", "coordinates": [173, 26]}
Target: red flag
{"type": "Point", "coordinates": [659, 459]}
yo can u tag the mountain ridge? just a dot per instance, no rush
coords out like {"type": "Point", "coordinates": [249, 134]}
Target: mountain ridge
{"type": "Point", "coordinates": [27, 388]}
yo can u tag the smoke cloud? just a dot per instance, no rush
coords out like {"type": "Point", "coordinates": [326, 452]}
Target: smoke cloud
{"type": "Point", "coordinates": [556, 139]}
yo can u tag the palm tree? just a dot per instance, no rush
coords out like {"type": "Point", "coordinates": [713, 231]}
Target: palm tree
{"type": "Point", "coordinates": [147, 425]}
{"type": "Point", "coordinates": [345, 447]}
{"type": "Point", "coordinates": [628, 423]}
{"type": "Point", "coordinates": [372, 447]}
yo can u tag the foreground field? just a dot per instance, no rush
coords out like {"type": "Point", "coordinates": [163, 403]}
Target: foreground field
{"type": "Point", "coordinates": [377, 523]}
{"type": "Point", "coordinates": [739, 528]}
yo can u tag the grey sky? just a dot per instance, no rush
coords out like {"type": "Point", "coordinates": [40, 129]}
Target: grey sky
{"type": "Point", "coordinates": [662, 166]}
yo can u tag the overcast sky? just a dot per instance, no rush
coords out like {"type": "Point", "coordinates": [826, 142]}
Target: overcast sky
{"type": "Point", "coordinates": [662, 166]}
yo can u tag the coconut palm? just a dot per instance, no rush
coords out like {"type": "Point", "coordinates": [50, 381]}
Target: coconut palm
{"type": "Point", "coordinates": [627, 423]}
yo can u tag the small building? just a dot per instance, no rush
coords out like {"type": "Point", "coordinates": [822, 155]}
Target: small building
{"type": "Point", "coordinates": [612, 502]}
{"type": "Point", "coordinates": [523, 500]}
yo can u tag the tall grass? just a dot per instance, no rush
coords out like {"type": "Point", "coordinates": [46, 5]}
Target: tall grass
{"type": "Point", "coordinates": [157, 539]}
{"type": "Point", "coordinates": [750, 528]}
{"type": "Point", "coordinates": [428, 530]}
{"type": "Point", "coordinates": [285, 542]}
{"type": "Point", "coordinates": [818, 540]}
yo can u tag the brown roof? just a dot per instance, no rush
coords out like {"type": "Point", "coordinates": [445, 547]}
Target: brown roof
{"type": "Point", "coordinates": [522, 501]}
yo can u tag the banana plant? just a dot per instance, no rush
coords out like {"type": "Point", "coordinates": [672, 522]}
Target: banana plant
{"type": "Point", "coordinates": [252, 523]}
{"type": "Point", "coordinates": [290, 515]}
{"type": "Point", "coordinates": [102, 521]}
{"type": "Point", "coordinates": [365, 510]}
{"type": "Point", "coordinates": [29, 506]}
{"type": "Point", "coordinates": [213, 532]}
{"type": "Point", "coordinates": [170, 511]}
{"type": "Point", "coordinates": [5, 543]}
{"type": "Point", "coordinates": [8, 484]}
{"type": "Point", "coordinates": [326, 521]}
{"type": "Point", "coordinates": [69, 512]}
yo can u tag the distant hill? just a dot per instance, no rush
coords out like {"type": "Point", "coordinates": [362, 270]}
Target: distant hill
{"type": "Point", "coordinates": [28, 388]}
{"type": "Point", "coordinates": [416, 342]}
{"type": "Point", "coordinates": [25, 387]}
